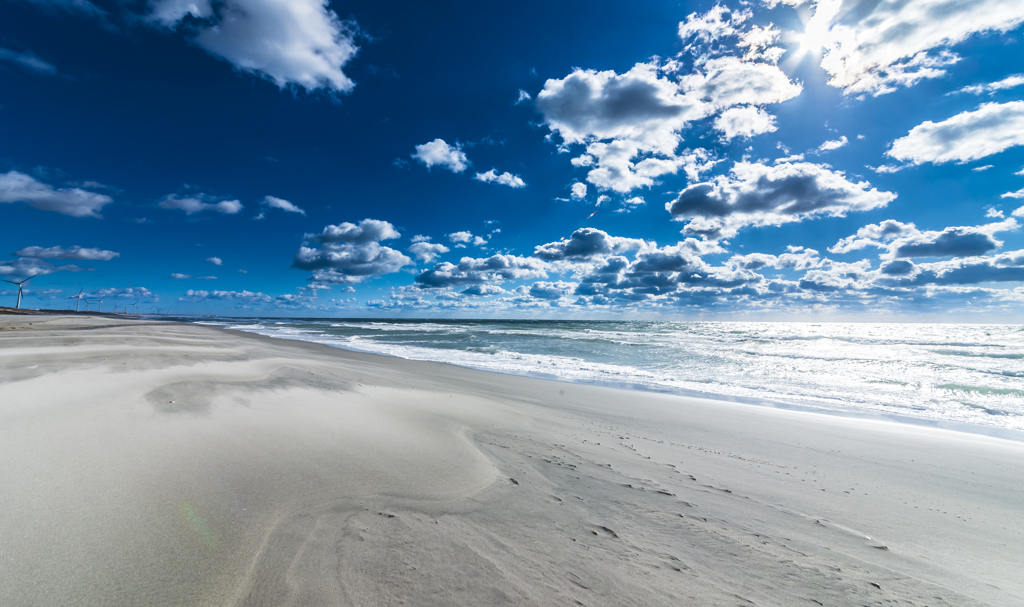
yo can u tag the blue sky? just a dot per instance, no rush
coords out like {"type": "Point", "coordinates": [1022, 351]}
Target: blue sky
{"type": "Point", "coordinates": [576, 159]}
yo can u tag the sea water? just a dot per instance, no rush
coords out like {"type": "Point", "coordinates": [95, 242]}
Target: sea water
{"type": "Point", "coordinates": [946, 373]}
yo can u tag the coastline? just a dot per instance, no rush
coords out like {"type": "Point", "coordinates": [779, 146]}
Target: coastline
{"type": "Point", "coordinates": [848, 412]}
{"type": "Point", "coordinates": [222, 467]}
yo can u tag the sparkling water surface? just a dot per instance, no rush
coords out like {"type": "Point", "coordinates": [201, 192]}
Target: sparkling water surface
{"type": "Point", "coordinates": [961, 373]}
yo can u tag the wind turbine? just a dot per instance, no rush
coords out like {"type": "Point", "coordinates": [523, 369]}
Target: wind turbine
{"type": "Point", "coordinates": [78, 303]}
{"type": "Point", "coordinates": [99, 303]}
{"type": "Point", "coordinates": [18, 306]}
{"type": "Point", "coordinates": [135, 306]}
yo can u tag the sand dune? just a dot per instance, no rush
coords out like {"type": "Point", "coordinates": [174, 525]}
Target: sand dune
{"type": "Point", "coordinates": [147, 463]}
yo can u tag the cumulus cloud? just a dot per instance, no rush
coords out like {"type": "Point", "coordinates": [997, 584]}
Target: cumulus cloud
{"type": "Point", "coordinates": [875, 47]}
{"type": "Point", "coordinates": [585, 243]}
{"type": "Point", "coordinates": [904, 240]}
{"type": "Point", "coordinates": [978, 89]}
{"type": "Point", "coordinates": [833, 144]}
{"type": "Point", "coordinates": [506, 178]}
{"type": "Point", "coordinates": [523, 97]}
{"type": "Point", "coordinates": [796, 258]}
{"type": "Point", "coordinates": [483, 290]}
{"type": "Point", "coordinates": [717, 23]}
{"type": "Point", "coordinates": [351, 253]}
{"type": "Point", "coordinates": [460, 239]}
{"type": "Point", "coordinates": [439, 153]}
{"type": "Point", "coordinates": [242, 297]}
{"type": "Point", "coordinates": [632, 123]}
{"type": "Point", "coordinates": [367, 230]}
{"type": "Point", "coordinates": [1018, 194]}
{"type": "Point", "coordinates": [578, 191]}
{"type": "Point", "coordinates": [551, 290]}
{"type": "Point", "coordinates": [27, 60]}
{"type": "Point", "coordinates": [755, 194]}
{"type": "Point", "coordinates": [29, 266]}
{"type": "Point", "coordinates": [289, 42]}
{"type": "Point", "coordinates": [990, 129]}
{"type": "Point", "coordinates": [729, 81]}
{"type": "Point", "coordinates": [745, 122]}
{"type": "Point", "coordinates": [427, 251]}
{"type": "Point", "coordinates": [217, 261]}
{"type": "Point", "coordinates": [76, 202]}
{"type": "Point", "coordinates": [280, 203]}
{"type": "Point", "coordinates": [200, 203]}
{"type": "Point", "coordinates": [630, 204]}
{"type": "Point", "coordinates": [129, 293]}
{"type": "Point", "coordinates": [472, 271]}
{"type": "Point", "coordinates": [661, 271]}
{"type": "Point", "coordinates": [75, 252]}
{"type": "Point", "coordinates": [620, 117]}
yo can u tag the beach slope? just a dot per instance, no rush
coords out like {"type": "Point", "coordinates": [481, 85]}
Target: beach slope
{"type": "Point", "coordinates": [153, 463]}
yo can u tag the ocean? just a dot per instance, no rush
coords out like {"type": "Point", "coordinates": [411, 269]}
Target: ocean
{"type": "Point", "coordinates": [942, 374]}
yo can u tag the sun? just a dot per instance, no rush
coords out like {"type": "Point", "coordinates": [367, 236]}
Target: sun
{"type": "Point", "coordinates": [817, 33]}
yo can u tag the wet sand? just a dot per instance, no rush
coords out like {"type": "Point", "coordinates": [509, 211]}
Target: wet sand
{"type": "Point", "coordinates": [149, 463]}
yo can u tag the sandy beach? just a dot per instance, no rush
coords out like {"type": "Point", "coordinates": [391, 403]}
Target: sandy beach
{"type": "Point", "coordinates": [153, 463]}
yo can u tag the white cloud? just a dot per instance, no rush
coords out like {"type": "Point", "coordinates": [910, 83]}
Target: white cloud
{"type": "Point", "coordinates": [523, 96]}
{"type": "Point", "coordinates": [1018, 194]}
{"type": "Point", "coordinates": [551, 290]}
{"type": "Point", "coordinates": [180, 276]}
{"type": "Point", "coordinates": [75, 252]}
{"type": "Point", "coordinates": [1018, 212]}
{"type": "Point", "coordinates": [719, 22]}
{"type": "Point", "coordinates": [427, 251]}
{"type": "Point", "coordinates": [585, 243]}
{"type": "Point", "coordinates": [904, 240]}
{"type": "Point", "coordinates": [27, 266]}
{"type": "Point", "coordinates": [745, 121]}
{"type": "Point", "coordinates": [290, 42]}
{"type": "Point", "coordinates": [244, 297]}
{"type": "Point", "coordinates": [990, 129]}
{"type": "Point", "coordinates": [129, 293]}
{"type": "Point", "coordinates": [630, 204]}
{"type": "Point", "coordinates": [439, 153]}
{"type": "Point", "coordinates": [833, 144]}
{"type": "Point", "coordinates": [994, 214]}
{"type": "Point", "coordinates": [755, 194]}
{"type": "Point", "coordinates": [982, 168]}
{"type": "Point", "coordinates": [578, 191]}
{"type": "Point", "coordinates": [729, 81]}
{"type": "Point", "coordinates": [280, 203]}
{"type": "Point", "coordinates": [631, 123]}
{"type": "Point", "coordinates": [472, 271]}
{"type": "Point", "coordinates": [217, 261]}
{"type": "Point", "coordinates": [27, 59]}
{"type": "Point", "coordinates": [797, 258]}
{"type": "Point", "coordinates": [351, 253]}
{"type": "Point", "coordinates": [506, 178]}
{"type": "Point", "coordinates": [873, 48]}
{"type": "Point", "coordinates": [1006, 83]}
{"type": "Point", "coordinates": [368, 230]}
{"type": "Point", "coordinates": [19, 187]}
{"type": "Point", "coordinates": [198, 204]}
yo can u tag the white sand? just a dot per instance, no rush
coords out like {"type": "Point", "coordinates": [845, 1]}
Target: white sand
{"type": "Point", "coordinates": [166, 464]}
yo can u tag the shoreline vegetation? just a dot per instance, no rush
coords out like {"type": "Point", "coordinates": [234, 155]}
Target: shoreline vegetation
{"type": "Point", "coordinates": [178, 464]}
